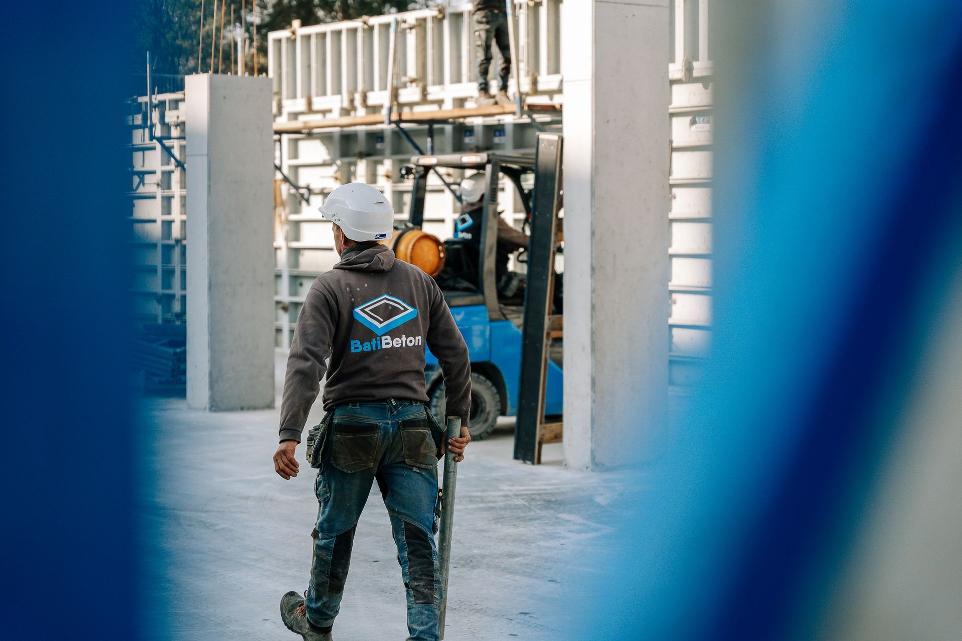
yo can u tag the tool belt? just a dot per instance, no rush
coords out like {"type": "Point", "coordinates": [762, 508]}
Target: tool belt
{"type": "Point", "coordinates": [317, 439]}
{"type": "Point", "coordinates": [319, 435]}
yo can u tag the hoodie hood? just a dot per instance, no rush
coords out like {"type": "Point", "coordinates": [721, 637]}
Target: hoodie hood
{"type": "Point", "coordinates": [367, 258]}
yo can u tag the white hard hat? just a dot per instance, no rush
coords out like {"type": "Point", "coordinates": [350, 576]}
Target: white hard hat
{"type": "Point", "coordinates": [361, 211]}
{"type": "Point", "coordinates": [473, 188]}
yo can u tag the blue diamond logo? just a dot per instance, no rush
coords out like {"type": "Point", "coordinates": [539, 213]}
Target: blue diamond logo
{"type": "Point", "coordinates": [384, 313]}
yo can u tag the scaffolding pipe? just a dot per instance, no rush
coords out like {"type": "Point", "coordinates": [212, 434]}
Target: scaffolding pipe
{"type": "Point", "coordinates": [297, 188]}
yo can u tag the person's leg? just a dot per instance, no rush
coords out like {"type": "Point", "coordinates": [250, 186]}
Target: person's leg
{"type": "Point", "coordinates": [482, 47]}
{"type": "Point", "coordinates": [417, 556]}
{"type": "Point", "coordinates": [502, 37]}
{"type": "Point", "coordinates": [408, 479]}
{"type": "Point", "coordinates": [342, 487]}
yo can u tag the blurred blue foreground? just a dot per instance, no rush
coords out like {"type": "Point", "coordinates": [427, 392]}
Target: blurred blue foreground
{"type": "Point", "coordinates": [812, 492]}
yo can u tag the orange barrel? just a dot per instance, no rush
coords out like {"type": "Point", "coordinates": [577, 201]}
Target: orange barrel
{"type": "Point", "coordinates": [421, 249]}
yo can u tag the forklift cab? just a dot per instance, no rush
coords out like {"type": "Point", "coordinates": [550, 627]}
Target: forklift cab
{"type": "Point", "coordinates": [480, 286]}
{"type": "Point", "coordinates": [492, 327]}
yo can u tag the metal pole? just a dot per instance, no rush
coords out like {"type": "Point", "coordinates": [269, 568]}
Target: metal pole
{"type": "Point", "coordinates": [148, 106]}
{"type": "Point", "coordinates": [243, 26]}
{"type": "Point", "coordinates": [254, 30]}
{"type": "Point", "coordinates": [200, 39]}
{"type": "Point", "coordinates": [297, 188]}
{"type": "Point", "coordinates": [513, 47]}
{"type": "Point", "coordinates": [213, 37]}
{"type": "Point", "coordinates": [233, 30]}
{"type": "Point", "coordinates": [148, 81]}
{"type": "Point", "coordinates": [220, 43]}
{"type": "Point", "coordinates": [447, 518]}
{"type": "Point", "coordinates": [239, 33]}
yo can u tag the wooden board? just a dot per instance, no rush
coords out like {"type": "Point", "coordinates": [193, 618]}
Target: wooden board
{"type": "Point", "coordinates": [306, 126]}
{"type": "Point", "coordinates": [551, 432]}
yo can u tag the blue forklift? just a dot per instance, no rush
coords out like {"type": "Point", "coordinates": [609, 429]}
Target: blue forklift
{"type": "Point", "coordinates": [512, 323]}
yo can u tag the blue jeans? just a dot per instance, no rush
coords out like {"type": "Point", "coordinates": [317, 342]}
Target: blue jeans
{"type": "Point", "coordinates": [392, 442]}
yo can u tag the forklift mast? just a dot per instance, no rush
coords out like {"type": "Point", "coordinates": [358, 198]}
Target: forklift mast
{"type": "Point", "coordinates": [540, 325]}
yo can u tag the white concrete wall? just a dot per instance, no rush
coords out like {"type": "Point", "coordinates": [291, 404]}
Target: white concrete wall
{"type": "Point", "coordinates": [616, 131]}
{"type": "Point", "coordinates": [230, 280]}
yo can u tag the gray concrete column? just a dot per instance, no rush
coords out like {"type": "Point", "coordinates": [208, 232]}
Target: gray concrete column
{"type": "Point", "coordinates": [230, 262]}
{"type": "Point", "coordinates": [616, 206]}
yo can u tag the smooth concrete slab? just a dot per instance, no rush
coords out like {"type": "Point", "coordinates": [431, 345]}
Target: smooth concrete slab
{"type": "Point", "coordinates": [225, 536]}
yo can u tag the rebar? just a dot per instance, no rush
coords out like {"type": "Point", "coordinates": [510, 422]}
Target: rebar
{"type": "Point", "coordinates": [213, 39]}
{"type": "Point", "coordinates": [233, 30]}
{"type": "Point", "coordinates": [200, 39]}
{"type": "Point", "coordinates": [220, 43]}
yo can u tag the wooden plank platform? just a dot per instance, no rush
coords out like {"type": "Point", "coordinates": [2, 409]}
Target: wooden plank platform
{"type": "Point", "coordinates": [307, 126]}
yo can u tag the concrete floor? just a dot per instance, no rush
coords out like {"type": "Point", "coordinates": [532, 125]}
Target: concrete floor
{"type": "Point", "coordinates": [226, 537]}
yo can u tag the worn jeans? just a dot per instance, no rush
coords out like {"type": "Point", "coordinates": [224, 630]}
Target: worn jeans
{"type": "Point", "coordinates": [488, 26]}
{"type": "Point", "coordinates": [392, 442]}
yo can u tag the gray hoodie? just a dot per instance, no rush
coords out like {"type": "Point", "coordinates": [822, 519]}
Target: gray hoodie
{"type": "Point", "coordinates": [373, 315]}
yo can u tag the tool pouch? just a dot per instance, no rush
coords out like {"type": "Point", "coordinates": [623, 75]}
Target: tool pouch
{"type": "Point", "coordinates": [437, 430]}
{"type": "Point", "coordinates": [317, 441]}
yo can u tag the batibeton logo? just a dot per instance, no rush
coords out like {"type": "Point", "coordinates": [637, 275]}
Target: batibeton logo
{"type": "Point", "coordinates": [381, 315]}
{"type": "Point", "coordinates": [384, 313]}
{"type": "Point", "coordinates": [462, 225]}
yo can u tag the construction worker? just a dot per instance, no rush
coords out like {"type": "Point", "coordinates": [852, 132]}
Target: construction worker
{"type": "Point", "coordinates": [491, 22]}
{"type": "Point", "coordinates": [372, 316]}
{"type": "Point", "coordinates": [468, 227]}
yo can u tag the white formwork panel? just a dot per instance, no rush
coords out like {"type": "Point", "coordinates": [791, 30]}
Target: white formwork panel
{"type": "Point", "coordinates": [158, 208]}
{"type": "Point", "coordinates": [340, 68]}
{"type": "Point", "coordinates": [690, 214]}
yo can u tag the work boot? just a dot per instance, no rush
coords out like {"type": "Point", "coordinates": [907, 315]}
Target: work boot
{"type": "Point", "coordinates": [294, 617]}
{"type": "Point", "coordinates": [485, 97]}
{"type": "Point", "coordinates": [502, 98]}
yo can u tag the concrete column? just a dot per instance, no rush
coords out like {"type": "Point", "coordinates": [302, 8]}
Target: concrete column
{"type": "Point", "coordinates": [230, 263]}
{"type": "Point", "coordinates": [616, 206]}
